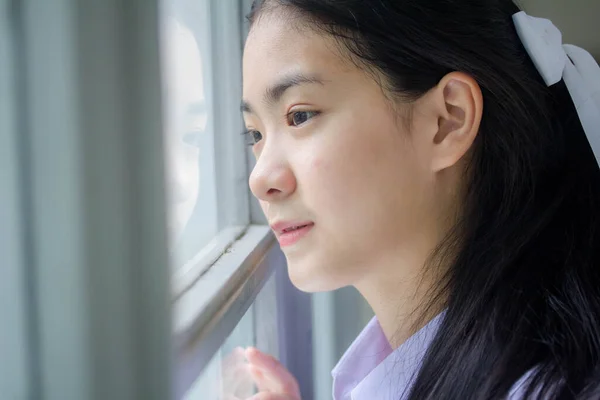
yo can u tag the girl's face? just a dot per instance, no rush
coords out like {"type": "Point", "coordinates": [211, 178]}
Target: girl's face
{"type": "Point", "coordinates": [333, 151]}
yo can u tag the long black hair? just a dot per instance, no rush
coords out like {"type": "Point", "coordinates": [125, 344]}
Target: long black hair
{"type": "Point", "coordinates": [522, 293]}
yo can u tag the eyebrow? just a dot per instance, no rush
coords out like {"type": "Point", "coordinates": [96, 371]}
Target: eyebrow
{"type": "Point", "coordinates": [274, 93]}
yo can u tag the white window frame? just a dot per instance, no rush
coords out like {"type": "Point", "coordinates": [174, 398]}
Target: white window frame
{"type": "Point", "coordinates": [208, 312]}
{"type": "Point", "coordinates": [223, 91]}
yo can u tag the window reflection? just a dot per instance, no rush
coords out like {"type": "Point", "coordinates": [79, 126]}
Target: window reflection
{"type": "Point", "coordinates": [185, 121]}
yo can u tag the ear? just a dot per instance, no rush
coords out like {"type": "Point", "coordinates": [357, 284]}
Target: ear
{"type": "Point", "coordinates": [459, 107]}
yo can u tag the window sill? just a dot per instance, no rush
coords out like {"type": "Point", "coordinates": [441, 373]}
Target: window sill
{"type": "Point", "coordinates": [187, 275]}
{"type": "Point", "coordinates": [211, 306]}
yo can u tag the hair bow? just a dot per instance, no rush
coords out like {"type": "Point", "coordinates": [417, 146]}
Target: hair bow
{"type": "Point", "coordinates": [574, 65]}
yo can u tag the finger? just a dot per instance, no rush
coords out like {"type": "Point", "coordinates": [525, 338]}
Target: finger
{"type": "Point", "coordinates": [263, 384]}
{"type": "Point", "coordinates": [272, 367]}
{"type": "Point", "coordinates": [264, 360]}
{"type": "Point", "coordinates": [239, 353]}
{"type": "Point", "coordinates": [244, 383]}
{"type": "Point", "coordinates": [237, 356]}
{"type": "Point", "coordinates": [234, 372]}
{"type": "Point", "coordinates": [267, 383]}
{"type": "Point", "coordinates": [238, 380]}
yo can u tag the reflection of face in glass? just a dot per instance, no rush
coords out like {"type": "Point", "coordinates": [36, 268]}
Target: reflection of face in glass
{"type": "Point", "coordinates": [185, 121]}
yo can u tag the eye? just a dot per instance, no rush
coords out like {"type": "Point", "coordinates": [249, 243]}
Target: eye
{"type": "Point", "coordinates": [296, 118]}
{"type": "Point", "coordinates": [253, 136]}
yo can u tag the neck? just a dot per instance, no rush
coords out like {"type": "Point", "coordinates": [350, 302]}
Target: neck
{"type": "Point", "coordinates": [401, 288]}
{"type": "Point", "coordinates": [400, 295]}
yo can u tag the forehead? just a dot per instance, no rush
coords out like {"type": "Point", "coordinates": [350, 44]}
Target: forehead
{"type": "Point", "coordinates": [277, 46]}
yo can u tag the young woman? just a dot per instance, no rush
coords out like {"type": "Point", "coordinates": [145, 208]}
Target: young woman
{"type": "Point", "coordinates": [438, 155]}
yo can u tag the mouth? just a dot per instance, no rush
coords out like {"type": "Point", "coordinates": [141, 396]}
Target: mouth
{"type": "Point", "coordinates": [293, 228]}
{"type": "Point", "coordinates": [290, 233]}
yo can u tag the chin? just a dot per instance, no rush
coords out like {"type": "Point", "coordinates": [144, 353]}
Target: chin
{"type": "Point", "coordinates": [310, 277]}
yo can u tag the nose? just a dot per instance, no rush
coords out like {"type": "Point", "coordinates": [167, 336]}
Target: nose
{"type": "Point", "coordinates": [272, 179]}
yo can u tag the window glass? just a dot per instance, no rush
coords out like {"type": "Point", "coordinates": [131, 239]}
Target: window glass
{"type": "Point", "coordinates": [226, 376]}
{"type": "Point", "coordinates": [188, 136]}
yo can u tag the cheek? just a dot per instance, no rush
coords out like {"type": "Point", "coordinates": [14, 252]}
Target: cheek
{"type": "Point", "coordinates": [372, 183]}
{"type": "Point", "coordinates": [346, 169]}
{"type": "Point", "coordinates": [362, 194]}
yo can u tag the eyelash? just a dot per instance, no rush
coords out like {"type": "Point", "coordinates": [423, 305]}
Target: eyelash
{"type": "Point", "coordinates": [250, 132]}
{"type": "Point", "coordinates": [292, 113]}
{"type": "Point", "coordinates": [248, 135]}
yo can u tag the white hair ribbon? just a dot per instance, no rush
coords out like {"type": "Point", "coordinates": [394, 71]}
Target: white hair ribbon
{"type": "Point", "coordinates": [574, 65]}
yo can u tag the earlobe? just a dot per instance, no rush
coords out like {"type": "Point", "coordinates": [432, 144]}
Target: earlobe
{"type": "Point", "coordinates": [459, 119]}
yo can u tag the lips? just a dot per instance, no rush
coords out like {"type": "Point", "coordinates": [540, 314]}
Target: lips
{"type": "Point", "coordinates": [294, 228]}
{"type": "Point", "coordinates": [289, 233]}
{"type": "Point", "coordinates": [282, 227]}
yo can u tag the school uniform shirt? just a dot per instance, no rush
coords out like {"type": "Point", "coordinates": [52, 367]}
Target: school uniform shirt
{"type": "Point", "coordinates": [371, 370]}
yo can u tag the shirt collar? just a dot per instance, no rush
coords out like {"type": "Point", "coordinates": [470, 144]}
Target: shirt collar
{"type": "Point", "coordinates": [370, 369]}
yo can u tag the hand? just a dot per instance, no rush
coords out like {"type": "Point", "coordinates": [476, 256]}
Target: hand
{"type": "Point", "coordinates": [236, 381]}
{"type": "Point", "coordinates": [273, 380]}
